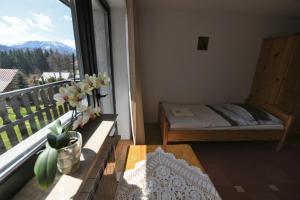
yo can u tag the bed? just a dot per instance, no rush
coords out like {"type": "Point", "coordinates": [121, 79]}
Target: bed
{"type": "Point", "coordinates": [251, 121]}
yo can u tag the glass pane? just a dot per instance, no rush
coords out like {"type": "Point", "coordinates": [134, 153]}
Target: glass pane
{"type": "Point", "coordinates": [100, 18]}
{"type": "Point", "coordinates": [37, 49]}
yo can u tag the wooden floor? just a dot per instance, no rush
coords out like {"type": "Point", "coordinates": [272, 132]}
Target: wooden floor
{"type": "Point", "coordinates": [109, 182]}
{"type": "Point", "coordinates": [258, 172]}
{"type": "Point", "coordinates": [247, 170]}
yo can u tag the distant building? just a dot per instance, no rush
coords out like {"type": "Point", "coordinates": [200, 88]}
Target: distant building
{"type": "Point", "coordinates": [7, 77]}
{"type": "Point", "coordinates": [56, 75]}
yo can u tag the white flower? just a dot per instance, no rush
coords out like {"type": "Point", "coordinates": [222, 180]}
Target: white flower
{"type": "Point", "coordinates": [85, 88]}
{"type": "Point", "coordinates": [83, 119]}
{"type": "Point", "coordinates": [81, 108]}
{"type": "Point", "coordinates": [76, 92]}
{"type": "Point", "coordinates": [75, 96]}
{"type": "Point", "coordinates": [62, 96]}
{"type": "Point", "coordinates": [88, 80]}
{"type": "Point", "coordinates": [96, 82]}
{"type": "Point", "coordinates": [104, 79]}
{"type": "Point", "coordinates": [75, 100]}
{"type": "Point", "coordinates": [89, 113]}
{"type": "Point", "coordinates": [77, 123]}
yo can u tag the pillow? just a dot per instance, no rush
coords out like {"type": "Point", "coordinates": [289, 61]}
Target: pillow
{"type": "Point", "coordinates": [181, 112]}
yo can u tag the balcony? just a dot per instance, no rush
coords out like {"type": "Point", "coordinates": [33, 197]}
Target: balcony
{"type": "Point", "coordinates": [24, 112]}
{"type": "Point", "coordinates": [26, 116]}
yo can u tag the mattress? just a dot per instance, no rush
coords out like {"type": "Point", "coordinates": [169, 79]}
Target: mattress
{"type": "Point", "coordinates": [219, 117]}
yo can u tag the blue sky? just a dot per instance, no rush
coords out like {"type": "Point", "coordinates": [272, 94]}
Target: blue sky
{"type": "Point", "coordinates": [43, 20]}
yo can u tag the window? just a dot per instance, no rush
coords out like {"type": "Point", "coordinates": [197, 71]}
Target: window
{"type": "Point", "coordinates": [37, 56]}
{"type": "Point", "coordinates": [43, 24]}
{"type": "Point", "coordinates": [103, 54]}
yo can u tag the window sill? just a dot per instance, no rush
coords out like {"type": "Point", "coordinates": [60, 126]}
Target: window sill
{"type": "Point", "coordinates": [67, 186]}
{"type": "Point", "coordinates": [17, 155]}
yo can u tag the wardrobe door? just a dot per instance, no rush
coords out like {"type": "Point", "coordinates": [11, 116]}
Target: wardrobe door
{"type": "Point", "coordinates": [275, 70]}
{"type": "Point", "coordinates": [290, 92]}
{"type": "Point", "coordinates": [296, 113]}
{"type": "Point", "coordinates": [290, 88]}
{"type": "Point", "coordinates": [258, 86]}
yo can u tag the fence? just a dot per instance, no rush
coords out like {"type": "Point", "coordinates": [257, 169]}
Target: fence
{"type": "Point", "coordinates": [25, 111]}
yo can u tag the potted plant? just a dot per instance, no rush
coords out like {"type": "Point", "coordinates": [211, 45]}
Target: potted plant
{"type": "Point", "coordinates": [63, 147]}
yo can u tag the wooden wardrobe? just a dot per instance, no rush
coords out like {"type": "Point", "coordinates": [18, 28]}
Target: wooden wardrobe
{"type": "Point", "coordinates": [277, 76]}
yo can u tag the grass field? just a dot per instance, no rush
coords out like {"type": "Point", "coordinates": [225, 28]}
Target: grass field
{"type": "Point", "coordinates": [4, 137]}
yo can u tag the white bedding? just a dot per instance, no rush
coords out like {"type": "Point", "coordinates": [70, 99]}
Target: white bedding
{"type": "Point", "coordinates": [204, 118]}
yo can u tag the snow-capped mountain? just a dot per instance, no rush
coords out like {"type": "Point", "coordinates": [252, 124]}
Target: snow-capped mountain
{"type": "Point", "coordinates": [5, 48]}
{"type": "Point", "coordinates": [45, 45]}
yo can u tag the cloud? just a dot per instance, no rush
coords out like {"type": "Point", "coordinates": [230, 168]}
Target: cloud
{"type": "Point", "coordinates": [14, 23]}
{"type": "Point", "coordinates": [69, 42]}
{"type": "Point", "coordinates": [67, 18]}
{"type": "Point", "coordinates": [41, 21]}
{"type": "Point", "coordinates": [17, 30]}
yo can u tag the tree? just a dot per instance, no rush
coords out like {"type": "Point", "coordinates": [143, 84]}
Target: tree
{"type": "Point", "coordinates": [59, 62]}
{"type": "Point", "coordinates": [7, 60]}
{"type": "Point", "coordinates": [35, 61]}
{"type": "Point", "coordinates": [20, 81]}
{"type": "Point", "coordinates": [40, 61]}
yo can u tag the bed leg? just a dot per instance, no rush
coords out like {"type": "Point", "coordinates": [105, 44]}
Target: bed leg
{"type": "Point", "coordinates": [285, 134]}
{"type": "Point", "coordinates": [164, 126]}
{"type": "Point", "coordinates": [164, 133]}
{"type": "Point", "coordinates": [165, 141]}
{"type": "Point", "coordinates": [281, 141]}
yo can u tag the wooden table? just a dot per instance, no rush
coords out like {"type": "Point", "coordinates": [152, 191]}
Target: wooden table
{"type": "Point", "coordinates": [138, 153]}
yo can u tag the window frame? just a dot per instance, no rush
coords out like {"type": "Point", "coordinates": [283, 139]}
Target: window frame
{"type": "Point", "coordinates": [22, 172]}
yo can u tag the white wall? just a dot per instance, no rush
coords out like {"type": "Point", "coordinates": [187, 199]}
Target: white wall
{"type": "Point", "coordinates": [173, 70]}
{"type": "Point", "coordinates": [119, 47]}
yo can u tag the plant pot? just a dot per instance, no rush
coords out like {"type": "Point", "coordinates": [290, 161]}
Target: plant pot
{"type": "Point", "coordinates": [68, 159]}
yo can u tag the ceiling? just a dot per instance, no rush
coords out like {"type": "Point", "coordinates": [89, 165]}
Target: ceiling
{"type": "Point", "coordinates": [289, 8]}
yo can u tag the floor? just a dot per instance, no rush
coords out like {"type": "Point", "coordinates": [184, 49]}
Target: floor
{"type": "Point", "coordinates": [239, 170]}
{"type": "Point", "coordinates": [247, 170]}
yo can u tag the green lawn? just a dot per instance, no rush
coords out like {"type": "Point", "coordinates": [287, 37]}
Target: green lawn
{"type": "Point", "coordinates": [12, 117]}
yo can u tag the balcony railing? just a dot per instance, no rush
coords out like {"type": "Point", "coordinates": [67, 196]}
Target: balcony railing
{"type": "Point", "coordinates": [25, 111]}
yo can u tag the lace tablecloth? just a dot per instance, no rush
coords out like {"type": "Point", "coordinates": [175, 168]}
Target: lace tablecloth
{"type": "Point", "coordinates": [163, 177]}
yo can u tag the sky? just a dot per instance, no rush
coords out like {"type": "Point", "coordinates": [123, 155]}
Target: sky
{"type": "Point", "coordinates": [30, 20]}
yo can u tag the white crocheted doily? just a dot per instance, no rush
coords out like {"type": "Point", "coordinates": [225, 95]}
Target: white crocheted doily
{"type": "Point", "coordinates": [163, 177]}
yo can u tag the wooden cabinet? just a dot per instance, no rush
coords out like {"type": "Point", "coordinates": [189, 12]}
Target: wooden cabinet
{"type": "Point", "coordinates": [277, 76]}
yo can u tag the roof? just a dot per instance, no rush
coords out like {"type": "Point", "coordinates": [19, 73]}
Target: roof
{"type": "Point", "coordinates": [6, 77]}
{"type": "Point", "coordinates": [47, 75]}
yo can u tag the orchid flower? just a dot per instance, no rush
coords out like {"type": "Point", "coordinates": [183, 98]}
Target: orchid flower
{"type": "Point", "coordinates": [87, 114]}
{"type": "Point", "coordinates": [77, 123]}
{"type": "Point", "coordinates": [76, 92]}
{"type": "Point", "coordinates": [62, 96]}
{"type": "Point", "coordinates": [88, 80]}
{"type": "Point", "coordinates": [96, 81]}
{"type": "Point", "coordinates": [104, 79]}
{"type": "Point", "coordinates": [85, 88]}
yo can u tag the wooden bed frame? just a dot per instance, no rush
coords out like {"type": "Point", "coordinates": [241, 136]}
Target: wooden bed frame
{"type": "Point", "coordinates": [228, 135]}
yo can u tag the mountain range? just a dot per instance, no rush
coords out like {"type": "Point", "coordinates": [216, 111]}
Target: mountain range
{"type": "Point", "coordinates": [44, 45]}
